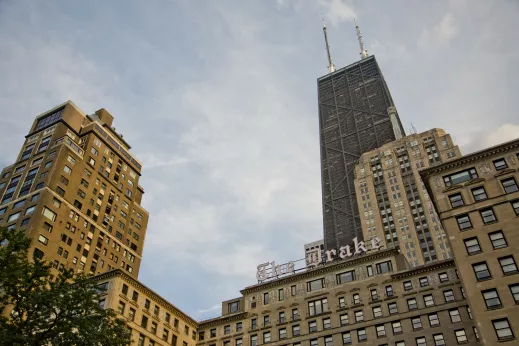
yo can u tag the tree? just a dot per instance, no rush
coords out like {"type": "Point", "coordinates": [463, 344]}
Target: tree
{"type": "Point", "coordinates": [37, 309]}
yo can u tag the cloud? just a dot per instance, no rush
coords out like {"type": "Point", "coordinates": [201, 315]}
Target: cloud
{"type": "Point", "coordinates": [440, 34]}
{"type": "Point", "coordinates": [503, 133]}
{"type": "Point", "coordinates": [337, 11]}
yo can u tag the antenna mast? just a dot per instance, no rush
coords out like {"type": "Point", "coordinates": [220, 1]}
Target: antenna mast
{"type": "Point", "coordinates": [331, 66]}
{"type": "Point", "coordinates": [363, 52]}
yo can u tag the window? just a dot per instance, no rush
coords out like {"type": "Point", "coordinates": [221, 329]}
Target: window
{"type": "Point", "coordinates": [328, 341]}
{"type": "Point", "coordinates": [424, 282]}
{"type": "Point", "coordinates": [327, 323]}
{"type": "Point", "coordinates": [481, 271]}
{"type": "Point", "coordinates": [400, 343]}
{"type": "Point", "coordinates": [443, 277]}
{"type": "Point", "coordinates": [49, 214]}
{"type": "Point", "coordinates": [135, 296]}
{"type": "Point", "coordinates": [314, 342]}
{"type": "Point", "coordinates": [239, 342]}
{"type": "Point", "coordinates": [186, 330]}
{"type": "Point", "coordinates": [356, 299]}
{"type": "Point", "coordinates": [213, 333]}
{"type": "Point", "coordinates": [416, 322]}
{"type": "Point", "coordinates": [265, 298]}
{"type": "Point", "coordinates": [515, 206]}
{"type": "Point", "coordinates": [369, 270]}
{"type": "Point", "coordinates": [345, 321]}
{"type": "Point", "coordinates": [456, 200]}
{"type": "Point", "coordinates": [281, 317]}
{"type": "Point", "coordinates": [253, 340]}
{"type": "Point", "coordinates": [455, 315]}
{"type": "Point", "coordinates": [381, 330]}
{"type": "Point", "coordinates": [227, 329]}
{"type": "Point", "coordinates": [411, 304]}
{"type": "Point", "coordinates": [397, 327]}
{"type": "Point", "coordinates": [498, 240]}
{"type": "Point", "coordinates": [293, 290]}
{"type": "Point", "coordinates": [377, 311]}
{"type": "Point", "coordinates": [374, 294]}
{"type": "Point", "coordinates": [503, 330]}
{"type": "Point", "coordinates": [514, 289]}
{"type": "Point", "coordinates": [144, 322]}
{"type": "Point", "coordinates": [282, 333]}
{"type": "Point", "coordinates": [408, 285]}
{"type": "Point", "coordinates": [433, 320]}
{"type": "Point", "coordinates": [253, 324]}
{"type": "Point", "coordinates": [509, 185]}
{"type": "Point", "coordinates": [428, 300]}
{"type": "Point", "coordinates": [460, 177]}
{"type": "Point", "coordinates": [281, 295]}
{"type": "Point", "coordinates": [359, 316]}
{"type": "Point", "coordinates": [438, 340]}
{"type": "Point", "coordinates": [67, 169]}
{"type": "Point", "coordinates": [420, 341]}
{"type": "Point", "coordinates": [500, 164]}
{"type": "Point", "coordinates": [312, 326]}
{"type": "Point", "coordinates": [508, 265]}
{"type": "Point", "coordinates": [13, 217]}
{"type": "Point", "coordinates": [295, 314]}
{"type": "Point", "coordinates": [472, 246]}
{"type": "Point", "coordinates": [43, 240]}
{"type": "Point", "coordinates": [449, 296]}
{"type": "Point", "coordinates": [121, 307]}
{"type": "Point", "coordinates": [234, 307]}
{"type": "Point", "coordinates": [384, 267]}
{"type": "Point", "coordinates": [131, 314]}
{"type": "Point", "coordinates": [491, 298]}
{"type": "Point", "coordinates": [266, 320]}
{"type": "Point", "coordinates": [346, 277]}
{"type": "Point", "coordinates": [389, 291]}
{"type": "Point", "coordinates": [464, 222]}
{"type": "Point", "coordinates": [342, 302]}
{"type": "Point", "coordinates": [479, 194]}
{"type": "Point", "coordinates": [393, 308]}
{"type": "Point", "coordinates": [19, 204]}
{"type": "Point", "coordinates": [346, 338]}
{"type": "Point", "coordinates": [315, 285]}
{"type": "Point", "coordinates": [296, 330]}
{"type": "Point", "coordinates": [361, 334]}
{"type": "Point", "coordinates": [461, 336]}
{"type": "Point", "coordinates": [488, 216]}
{"type": "Point", "coordinates": [239, 327]}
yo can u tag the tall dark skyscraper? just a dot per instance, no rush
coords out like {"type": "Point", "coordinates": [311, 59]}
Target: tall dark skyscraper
{"type": "Point", "coordinates": [356, 115]}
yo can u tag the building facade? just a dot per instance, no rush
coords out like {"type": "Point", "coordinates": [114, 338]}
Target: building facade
{"type": "Point", "coordinates": [393, 202]}
{"type": "Point", "coordinates": [356, 115]}
{"type": "Point", "coordinates": [376, 299]}
{"type": "Point", "coordinates": [153, 321]}
{"type": "Point", "coordinates": [74, 187]}
{"type": "Point", "coordinates": [477, 199]}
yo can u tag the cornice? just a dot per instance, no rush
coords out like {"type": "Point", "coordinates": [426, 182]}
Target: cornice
{"type": "Point", "coordinates": [146, 290]}
{"type": "Point", "coordinates": [423, 269]}
{"type": "Point", "coordinates": [337, 264]}
{"type": "Point", "coordinates": [222, 319]}
{"type": "Point", "coordinates": [476, 156]}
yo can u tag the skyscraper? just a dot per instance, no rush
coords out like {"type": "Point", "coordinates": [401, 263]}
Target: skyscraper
{"type": "Point", "coordinates": [74, 187]}
{"type": "Point", "coordinates": [356, 115]}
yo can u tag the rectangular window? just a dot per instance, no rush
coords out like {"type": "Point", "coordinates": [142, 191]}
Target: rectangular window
{"type": "Point", "coordinates": [234, 307]}
{"type": "Point", "coordinates": [438, 340]}
{"type": "Point", "coordinates": [346, 338]}
{"type": "Point", "coordinates": [374, 294]}
{"type": "Point", "coordinates": [424, 282]}
{"type": "Point", "coordinates": [481, 271]}
{"type": "Point", "coordinates": [455, 315]}
{"type": "Point", "coordinates": [227, 329]}
{"type": "Point", "coordinates": [428, 300]}
{"type": "Point", "coordinates": [266, 321]}
{"type": "Point", "coordinates": [461, 336]}
{"type": "Point", "coordinates": [381, 330]}
{"type": "Point", "coordinates": [408, 285]}
{"type": "Point", "coordinates": [514, 289]}
{"type": "Point", "coordinates": [265, 298]}
{"type": "Point", "coordinates": [508, 265]}
{"type": "Point", "coordinates": [282, 333]}
{"type": "Point", "coordinates": [296, 330]}
{"type": "Point", "coordinates": [497, 239]}
{"type": "Point", "coordinates": [397, 327]}
{"type": "Point", "coordinates": [443, 277]}
{"type": "Point", "coordinates": [464, 222]}
{"type": "Point", "coordinates": [361, 334]}
{"type": "Point", "coordinates": [384, 267]}
{"type": "Point", "coordinates": [411, 304]}
{"type": "Point", "coordinates": [456, 200]}
{"type": "Point", "coordinates": [449, 296]}
{"type": "Point", "coordinates": [515, 206]}
{"type": "Point", "coordinates": [503, 330]}
{"type": "Point", "coordinates": [393, 308]}
{"type": "Point", "coordinates": [13, 217]}
{"type": "Point", "coordinates": [281, 295]}
{"type": "Point", "coordinates": [500, 164]}
{"type": "Point", "coordinates": [312, 326]}
{"type": "Point", "coordinates": [389, 291]}
{"type": "Point", "coordinates": [491, 298]}
{"type": "Point", "coordinates": [281, 317]}
{"type": "Point", "coordinates": [472, 246]}
{"type": "Point", "coordinates": [460, 177]}
{"type": "Point", "coordinates": [488, 216]}
{"type": "Point", "coordinates": [43, 240]}
{"type": "Point", "coordinates": [509, 185]}
{"type": "Point", "coordinates": [239, 327]}
{"type": "Point", "coordinates": [356, 299]}
{"type": "Point", "coordinates": [253, 340]}
{"type": "Point", "coordinates": [49, 214]}
{"type": "Point", "coordinates": [342, 302]}
{"type": "Point", "coordinates": [433, 320]}
{"type": "Point", "coordinates": [359, 316]}
{"type": "Point", "coordinates": [420, 341]}
{"type": "Point", "coordinates": [314, 342]}
{"type": "Point", "coordinates": [346, 277]}
{"type": "Point", "coordinates": [293, 290]}
{"type": "Point", "coordinates": [479, 194]}
{"type": "Point", "coordinates": [315, 285]}
{"type": "Point", "coordinates": [327, 323]}
{"type": "Point", "coordinates": [377, 311]}
{"type": "Point", "coordinates": [369, 270]}
{"type": "Point", "coordinates": [345, 320]}
{"type": "Point", "coordinates": [417, 323]}
{"type": "Point", "coordinates": [328, 341]}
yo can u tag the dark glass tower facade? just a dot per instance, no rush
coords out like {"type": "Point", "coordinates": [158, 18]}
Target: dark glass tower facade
{"type": "Point", "coordinates": [354, 106]}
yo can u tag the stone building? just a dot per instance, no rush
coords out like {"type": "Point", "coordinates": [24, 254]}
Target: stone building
{"type": "Point", "coordinates": [74, 187]}
{"type": "Point", "coordinates": [393, 203]}
{"type": "Point", "coordinates": [376, 298]}
{"type": "Point", "coordinates": [477, 199]}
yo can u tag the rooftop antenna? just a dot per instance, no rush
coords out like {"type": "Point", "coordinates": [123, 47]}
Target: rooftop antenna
{"type": "Point", "coordinates": [413, 129]}
{"type": "Point", "coordinates": [331, 66]}
{"type": "Point", "coordinates": [363, 52]}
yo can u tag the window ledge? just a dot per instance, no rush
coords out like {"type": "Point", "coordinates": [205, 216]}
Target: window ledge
{"type": "Point", "coordinates": [495, 308]}
{"type": "Point", "coordinates": [506, 339]}
{"type": "Point", "coordinates": [511, 273]}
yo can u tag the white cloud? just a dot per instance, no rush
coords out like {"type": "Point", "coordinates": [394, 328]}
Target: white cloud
{"type": "Point", "coordinates": [337, 11]}
{"type": "Point", "coordinates": [503, 133]}
{"type": "Point", "coordinates": [440, 34]}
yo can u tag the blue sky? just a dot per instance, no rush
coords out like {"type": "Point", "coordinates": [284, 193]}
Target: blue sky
{"type": "Point", "coordinates": [218, 99]}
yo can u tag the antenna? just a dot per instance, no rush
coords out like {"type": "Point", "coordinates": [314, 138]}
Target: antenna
{"type": "Point", "coordinates": [331, 66]}
{"type": "Point", "coordinates": [363, 53]}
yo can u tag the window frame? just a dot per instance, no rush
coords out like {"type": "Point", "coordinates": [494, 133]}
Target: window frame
{"type": "Point", "coordinates": [501, 167]}
{"type": "Point", "coordinates": [503, 238]}
{"type": "Point", "coordinates": [471, 253]}
{"type": "Point", "coordinates": [456, 200]}
{"type": "Point", "coordinates": [487, 270]}
{"type": "Point", "coordinates": [513, 262]}
{"type": "Point", "coordinates": [476, 196]}
{"type": "Point", "coordinates": [486, 299]}
{"type": "Point", "coordinates": [467, 223]}
{"type": "Point", "coordinates": [508, 327]}
{"type": "Point", "coordinates": [513, 186]}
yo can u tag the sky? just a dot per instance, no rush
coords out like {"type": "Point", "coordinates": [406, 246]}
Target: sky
{"type": "Point", "coordinates": [218, 100]}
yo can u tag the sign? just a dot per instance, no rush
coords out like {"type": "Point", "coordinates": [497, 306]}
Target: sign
{"type": "Point", "coordinates": [269, 270]}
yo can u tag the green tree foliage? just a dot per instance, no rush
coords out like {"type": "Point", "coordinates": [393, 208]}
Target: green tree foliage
{"type": "Point", "coordinates": [36, 309]}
